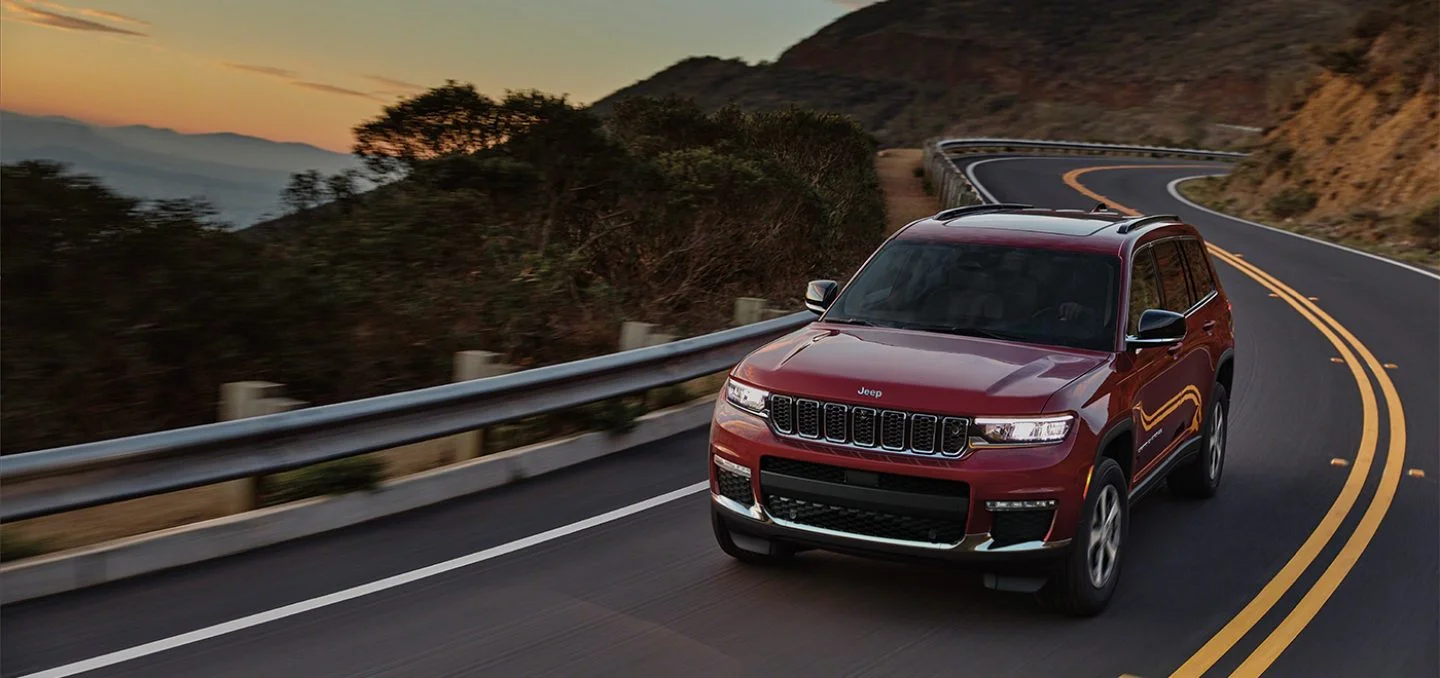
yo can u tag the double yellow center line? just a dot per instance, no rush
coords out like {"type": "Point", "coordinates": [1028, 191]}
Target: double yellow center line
{"type": "Point", "coordinates": [1305, 610]}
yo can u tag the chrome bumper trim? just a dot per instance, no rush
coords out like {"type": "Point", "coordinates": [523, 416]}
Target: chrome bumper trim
{"type": "Point", "coordinates": [974, 543]}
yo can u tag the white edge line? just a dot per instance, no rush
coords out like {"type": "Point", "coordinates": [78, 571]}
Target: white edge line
{"type": "Point", "coordinates": [980, 188]}
{"type": "Point", "coordinates": [259, 618]}
{"type": "Point", "coordinates": [1172, 187]}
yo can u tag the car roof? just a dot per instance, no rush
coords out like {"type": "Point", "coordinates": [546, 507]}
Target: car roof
{"type": "Point", "coordinates": [1024, 225]}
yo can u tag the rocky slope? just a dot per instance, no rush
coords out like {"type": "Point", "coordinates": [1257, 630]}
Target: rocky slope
{"type": "Point", "coordinates": [1120, 69]}
{"type": "Point", "coordinates": [1357, 158]}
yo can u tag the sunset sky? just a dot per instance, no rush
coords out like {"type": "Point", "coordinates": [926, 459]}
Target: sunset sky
{"type": "Point", "coordinates": [309, 70]}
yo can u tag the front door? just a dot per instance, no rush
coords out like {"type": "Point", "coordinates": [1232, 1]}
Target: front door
{"type": "Point", "coordinates": [1169, 401]}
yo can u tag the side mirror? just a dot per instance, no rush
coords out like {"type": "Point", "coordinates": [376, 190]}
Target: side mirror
{"type": "Point", "coordinates": [819, 294]}
{"type": "Point", "coordinates": [1157, 328]}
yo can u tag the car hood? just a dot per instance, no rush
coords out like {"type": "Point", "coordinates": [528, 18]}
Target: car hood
{"type": "Point", "coordinates": [911, 370]}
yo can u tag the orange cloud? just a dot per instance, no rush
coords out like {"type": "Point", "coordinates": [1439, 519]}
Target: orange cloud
{"type": "Point", "coordinates": [30, 14]}
{"type": "Point", "coordinates": [262, 70]}
{"type": "Point", "coordinates": [332, 89]}
{"type": "Point", "coordinates": [400, 85]}
{"type": "Point", "coordinates": [98, 13]}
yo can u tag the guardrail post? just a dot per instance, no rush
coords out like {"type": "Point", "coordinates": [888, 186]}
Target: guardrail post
{"type": "Point", "coordinates": [476, 365]}
{"type": "Point", "coordinates": [748, 310]}
{"type": "Point", "coordinates": [635, 335]}
{"type": "Point", "coordinates": [239, 400]}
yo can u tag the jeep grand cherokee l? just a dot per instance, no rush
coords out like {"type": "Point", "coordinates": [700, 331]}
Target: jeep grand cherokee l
{"type": "Point", "coordinates": [995, 386]}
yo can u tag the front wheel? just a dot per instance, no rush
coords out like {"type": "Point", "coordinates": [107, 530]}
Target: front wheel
{"type": "Point", "coordinates": [1085, 581]}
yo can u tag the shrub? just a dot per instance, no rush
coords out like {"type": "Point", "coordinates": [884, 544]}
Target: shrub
{"type": "Point", "coordinates": [1425, 224]}
{"type": "Point", "coordinates": [1346, 59]}
{"type": "Point", "coordinates": [1291, 202]}
{"type": "Point", "coordinates": [340, 476]}
{"type": "Point", "coordinates": [18, 548]}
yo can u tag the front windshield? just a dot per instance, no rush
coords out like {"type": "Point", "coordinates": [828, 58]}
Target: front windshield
{"type": "Point", "coordinates": [1033, 295]}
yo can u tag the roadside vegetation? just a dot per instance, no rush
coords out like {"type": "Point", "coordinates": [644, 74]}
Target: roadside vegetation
{"type": "Point", "coordinates": [524, 225]}
{"type": "Point", "coordinates": [1356, 157]}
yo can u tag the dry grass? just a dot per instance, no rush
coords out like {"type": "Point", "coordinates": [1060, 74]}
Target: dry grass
{"type": "Point", "coordinates": [905, 198]}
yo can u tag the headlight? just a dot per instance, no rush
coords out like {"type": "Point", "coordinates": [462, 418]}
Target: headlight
{"type": "Point", "coordinates": [1022, 430]}
{"type": "Point", "coordinates": [747, 398]}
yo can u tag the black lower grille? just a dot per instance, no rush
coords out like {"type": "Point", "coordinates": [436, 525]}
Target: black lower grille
{"type": "Point", "coordinates": [734, 486]}
{"type": "Point", "coordinates": [887, 481]}
{"type": "Point", "coordinates": [865, 522]}
{"type": "Point", "coordinates": [1014, 527]}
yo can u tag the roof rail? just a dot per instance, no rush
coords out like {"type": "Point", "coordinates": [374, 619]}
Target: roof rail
{"type": "Point", "coordinates": [955, 212]}
{"type": "Point", "coordinates": [1127, 225]}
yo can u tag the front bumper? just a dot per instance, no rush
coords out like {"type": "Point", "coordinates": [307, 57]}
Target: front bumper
{"type": "Point", "coordinates": [872, 503]}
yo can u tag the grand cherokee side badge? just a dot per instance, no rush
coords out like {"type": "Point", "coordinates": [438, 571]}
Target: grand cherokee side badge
{"type": "Point", "coordinates": [873, 393]}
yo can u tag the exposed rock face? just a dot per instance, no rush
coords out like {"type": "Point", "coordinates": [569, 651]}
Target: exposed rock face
{"type": "Point", "coordinates": [1135, 70]}
{"type": "Point", "coordinates": [1359, 154]}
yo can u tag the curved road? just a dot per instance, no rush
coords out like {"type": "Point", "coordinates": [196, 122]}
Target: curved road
{"type": "Point", "coordinates": [650, 594]}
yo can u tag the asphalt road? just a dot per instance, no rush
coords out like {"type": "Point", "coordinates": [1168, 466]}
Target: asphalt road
{"type": "Point", "coordinates": [650, 594]}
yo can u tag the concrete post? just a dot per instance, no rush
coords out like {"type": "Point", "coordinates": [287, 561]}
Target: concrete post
{"type": "Point", "coordinates": [476, 365]}
{"type": "Point", "coordinates": [240, 400]}
{"type": "Point", "coordinates": [748, 310]}
{"type": "Point", "coordinates": [635, 335]}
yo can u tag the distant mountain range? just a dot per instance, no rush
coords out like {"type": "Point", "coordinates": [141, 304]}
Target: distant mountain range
{"type": "Point", "coordinates": [241, 176]}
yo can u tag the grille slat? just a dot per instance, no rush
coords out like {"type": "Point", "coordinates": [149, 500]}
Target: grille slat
{"type": "Point", "coordinates": [862, 426]}
{"type": "Point", "coordinates": [953, 432]}
{"type": "Point", "coordinates": [836, 418]}
{"type": "Point", "coordinates": [892, 430]}
{"type": "Point", "coordinates": [782, 413]}
{"type": "Point", "coordinates": [807, 418]}
{"type": "Point", "coordinates": [922, 433]}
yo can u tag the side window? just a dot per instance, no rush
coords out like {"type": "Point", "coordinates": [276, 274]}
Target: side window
{"type": "Point", "coordinates": [1174, 288]}
{"type": "Point", "coordinates": [1199, 262]}
{"type": "Point", "coordinates": [1144, 290]}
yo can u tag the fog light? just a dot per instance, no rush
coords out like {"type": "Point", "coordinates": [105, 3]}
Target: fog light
{"type": "Point", "coordinates": [731, 466]}
{"type": "Point", "coordinates": [1020, 505]}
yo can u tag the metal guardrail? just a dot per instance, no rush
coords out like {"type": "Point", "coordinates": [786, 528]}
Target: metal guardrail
{"type": "Point", "coordinates": [953, 188]}
{"type": "Point", "coordinates": [63, 479]}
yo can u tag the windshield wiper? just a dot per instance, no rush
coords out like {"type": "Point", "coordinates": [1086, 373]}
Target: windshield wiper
{"type": "Point", "coordinates": [965, 331]}
{"type": "Point", "coordinates": [852, 321]}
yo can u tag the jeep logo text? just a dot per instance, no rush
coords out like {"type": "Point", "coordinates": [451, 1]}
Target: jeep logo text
{"type": "Point", "coordinates": [872, 392]}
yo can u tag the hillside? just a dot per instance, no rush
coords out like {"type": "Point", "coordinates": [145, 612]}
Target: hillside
{"type": "Point", "coordinates": [1132, 70]}
{"type": "Point", "coordinates": [1355, 158]}
{"type": "Point", "coordinates": [241, 176]}
{"type": "Point", "coordinates": [525, 226]}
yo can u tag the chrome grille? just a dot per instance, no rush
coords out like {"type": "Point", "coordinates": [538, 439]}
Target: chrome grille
{"type": "Point", "coordinates": [922, 432]}
{"type": "Point", "coordinates": [835, 420]}
{"type": "Point", "coordinates": [892, 430]}
{"type": "Point", "coordinates": [807, 418]}
{"type": "Point", "coordinates": [862, 426]}
{"type": "Point", "coordinates": [866, 427]}
{"type": "Point", "coordinates": [782, 413]}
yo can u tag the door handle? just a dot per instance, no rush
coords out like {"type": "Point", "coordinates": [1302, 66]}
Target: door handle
{"type": "Point", "coordinates": [1174, 349]}
{"type": "Point", "coordinates": [1209, 325]}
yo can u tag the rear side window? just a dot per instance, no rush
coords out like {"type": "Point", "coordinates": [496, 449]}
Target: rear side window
{"type": "Point", "coordinates": [1144, 289]}
{"type": "Point", "coordinates": [1174, 288]}
{"type": "Point", "coordinates": [1199, 263]}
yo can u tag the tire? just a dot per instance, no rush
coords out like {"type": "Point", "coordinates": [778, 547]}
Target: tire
{"type": "Point", "coordinates": [1200, 478]}
{"type": "Point", "coordinates": [1104, 521]}
{"type": "Point", "coordinates": [778, 552]}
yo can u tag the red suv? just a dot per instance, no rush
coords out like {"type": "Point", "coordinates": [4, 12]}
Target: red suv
{"type": "Point", "coordinates": [995, 386]}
